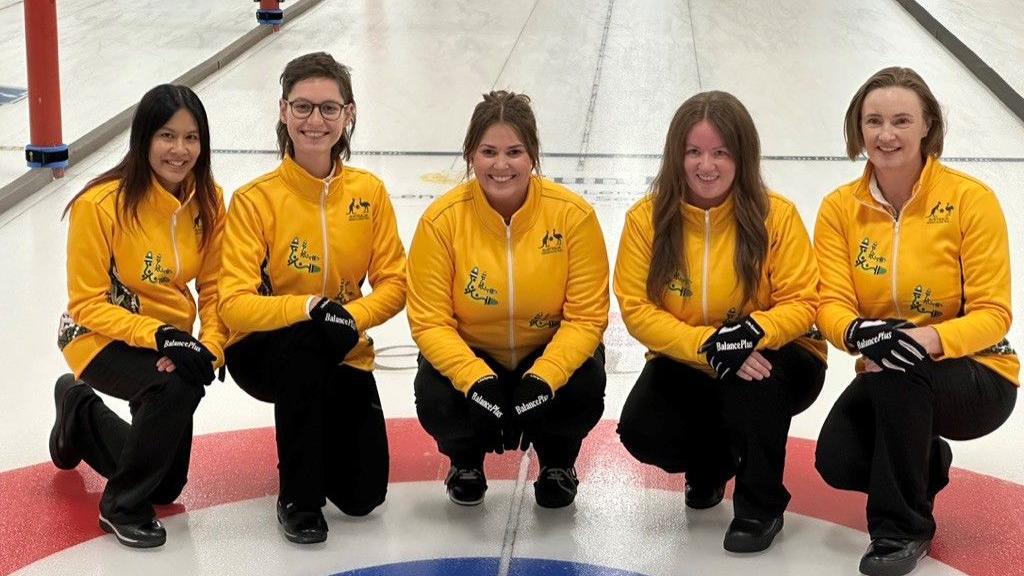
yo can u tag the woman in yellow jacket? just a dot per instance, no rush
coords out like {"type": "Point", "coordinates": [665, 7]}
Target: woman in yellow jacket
{"type": "Point", "coordinates": [139, 233]}
{"type": "Point", "coordinates": [298, 244]}
{"type": "Point", "coordinates": [508, 300]}
{"type": "Point", "coordinates": [915, 277]}
{"type": "Point", "coordinates": [716, 277]}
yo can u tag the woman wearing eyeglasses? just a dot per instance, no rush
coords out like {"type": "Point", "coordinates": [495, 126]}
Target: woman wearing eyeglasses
{"type": "Point", "coordinates": [299, 243]}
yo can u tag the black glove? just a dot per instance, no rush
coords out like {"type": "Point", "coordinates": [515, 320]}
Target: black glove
{"type": "Point", "coordinates": [532, 398]}
{"type": "Point", "coordinates": [486, 415]}
{"type": "Point", "coordinates": [885, 343]}
{"type": "Point", "coordinates": [192, 361]}
{"type": "Point", "coordinates": [730, 346]}
{"type": "Point", "coordinates": [337, 326]}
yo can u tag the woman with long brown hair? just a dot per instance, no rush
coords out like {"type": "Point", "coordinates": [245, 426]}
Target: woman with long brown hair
{"type": "Point", "coordinates": [139, 233]}
{"type": "Point", "coordinates": [716, 277]}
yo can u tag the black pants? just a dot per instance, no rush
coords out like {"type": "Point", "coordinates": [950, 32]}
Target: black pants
{"type": "Point", "coordinates": [575, 409]}
{"type": "Point", "coordinates": [145, 462]}
{"type": "Point", "coordinates": [882, 438]}
{"type": "Point", "coordinates": [683, 420]}
{"type": "Point", "coordinates": [331, 437]}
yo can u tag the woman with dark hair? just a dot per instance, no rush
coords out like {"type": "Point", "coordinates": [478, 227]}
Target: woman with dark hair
{"type": "Point", "coordinates": [139, 233]}
{"type": "Point", "coordinates": [915, 278]}
{"type": "Point", "coordinates": [508, 300]}
{"type": "Point", "coordinates": [298, 246]}
{"type": "Point", "coordinates": [716, 277]}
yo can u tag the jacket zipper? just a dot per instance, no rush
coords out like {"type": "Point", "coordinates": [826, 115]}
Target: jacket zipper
{"type": "Point", "coordinates": [174, 244]}
{"type": "Point", "coordinates": [511, 296]}
{"type": "Point", "coordinates": [323, 230]}
{"type": "Point", "coordinates": [704, 271]}
{"type": "Point", "coordinates": [895, 261]}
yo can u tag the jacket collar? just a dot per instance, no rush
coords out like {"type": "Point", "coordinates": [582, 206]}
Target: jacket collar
{"type": "Point", "coordinates": [164, 201]}
{"type": "Point", "coordinates": [716, 215]}
{"type": "Point", "coordinates": [305, 185]}
{"type": "Point", "coordinates": [523, 218]}
{"type": "Point", "coordinates": [924, 182]}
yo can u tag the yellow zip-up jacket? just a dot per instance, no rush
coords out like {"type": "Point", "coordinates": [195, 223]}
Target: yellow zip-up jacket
{"type": "Point", "coordinates": [944, 262]}
{"type": "Point", "coordinates": [126, 279]}
{"type": "Point", "coordinates": [290, 237]}
{"type": "Point", "coordinates": [540, 281]}
{"type": "Point", "coordinates": [694, 305]}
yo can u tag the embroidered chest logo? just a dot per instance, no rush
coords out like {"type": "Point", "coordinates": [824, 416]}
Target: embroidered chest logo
{"type": "Point", "coordinates": [300, 258]}
{"type": "Point", "coordinates": [346, 293]}
{"type": "Point", "coordinates": [153, 270]}
{"type": "Point", "coordinates": [552, 242]}
{"type": "Point", "coordinates": [941, 213]}
{"type": "Point", "coordinates": [358, 209]}
{"type": "Point", "coordinates": [868, 258]}
{"type": "Point", "coordinates": [478, 290]}
{"type": "Point", "coordinates": [680, 285]}
{"type": "Point", "coordinates": [544, 321]}
{"type": "Point", "coordinates": [922, 302]}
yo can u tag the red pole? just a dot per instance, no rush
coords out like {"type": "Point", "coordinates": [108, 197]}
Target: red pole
{"type": "Point", "coordinates": [270, 14]}
{"type": "Point", "coordinates": [46, 149]}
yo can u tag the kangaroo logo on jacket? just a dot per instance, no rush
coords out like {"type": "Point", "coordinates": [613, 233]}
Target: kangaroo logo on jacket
{"type": "Point", "coordinates": [545, 321]}
{"type": "Point", "coordinates": [300, 258]}
{"type": "Point", "coordinates": [922, 302]}
{"type": "Point", "coordinates": [153, 270]}
{"type": "Point", "coordinates": [477, 289]}
{"type": "Point", "coordinates": [552, 242]}
{"type": "Point", "coordinates": [941, 213]}
{"type": "Point", "coordinates": [680, 285]}
{"type": "Point", "coordinates": [868, 259]}
{"type": "Point", "coordinates": [358, 209]}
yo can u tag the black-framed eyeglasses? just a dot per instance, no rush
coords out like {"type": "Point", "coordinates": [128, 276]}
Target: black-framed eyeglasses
{"type": "Point", "coordinates": [329, 109]}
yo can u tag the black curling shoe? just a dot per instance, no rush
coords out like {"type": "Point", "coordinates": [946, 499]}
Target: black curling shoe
{"type": "Point", "coordinates": [61, 452]}
{"type": "Point", "coordinates": [146, 535]}
{"type": "Point", "coordinates": [555, 487]}
{"type": "Point", "coordinates": [893, 557]}
{"type": "Point", "coordinates": [750, 535]}
{"type": "Point", "coordinates": [701, 497]}
{"type": "Point", "coordinates": [301, 526]}
{"type": "Point", "coordinates": [466, 486]}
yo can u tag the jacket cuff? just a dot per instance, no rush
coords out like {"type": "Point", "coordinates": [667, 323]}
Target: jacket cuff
{"type": "Point", "coordinates": [466, 378]}
{"type": "Point", "coordinates": [217, 351]}
{"type": "Point", "coordinates": [296, 309]}
{"type": "Point", "coordinates": [950, 342]}
{"type": "Point", "coordinates": [551, 373]}
{"type": "Point", "coordinates": [359, 313]}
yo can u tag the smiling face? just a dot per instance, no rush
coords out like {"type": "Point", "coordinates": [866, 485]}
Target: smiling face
{"type": "Point", "coordinates": [314, 136]}
{"type": "Point", "coordinates": [709, 166]}
{"type": "Point", "coordinates": [173, 150]}
{"type": "Point", "coordinates": [893, 125]}
{"type": "Point", "coordinates": [502, 166]}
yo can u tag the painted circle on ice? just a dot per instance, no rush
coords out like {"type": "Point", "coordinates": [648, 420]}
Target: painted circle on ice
{"type": "Point", "coordinates": [978, 515]}
{"type": "Point", "coordinates": [487, 567]}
